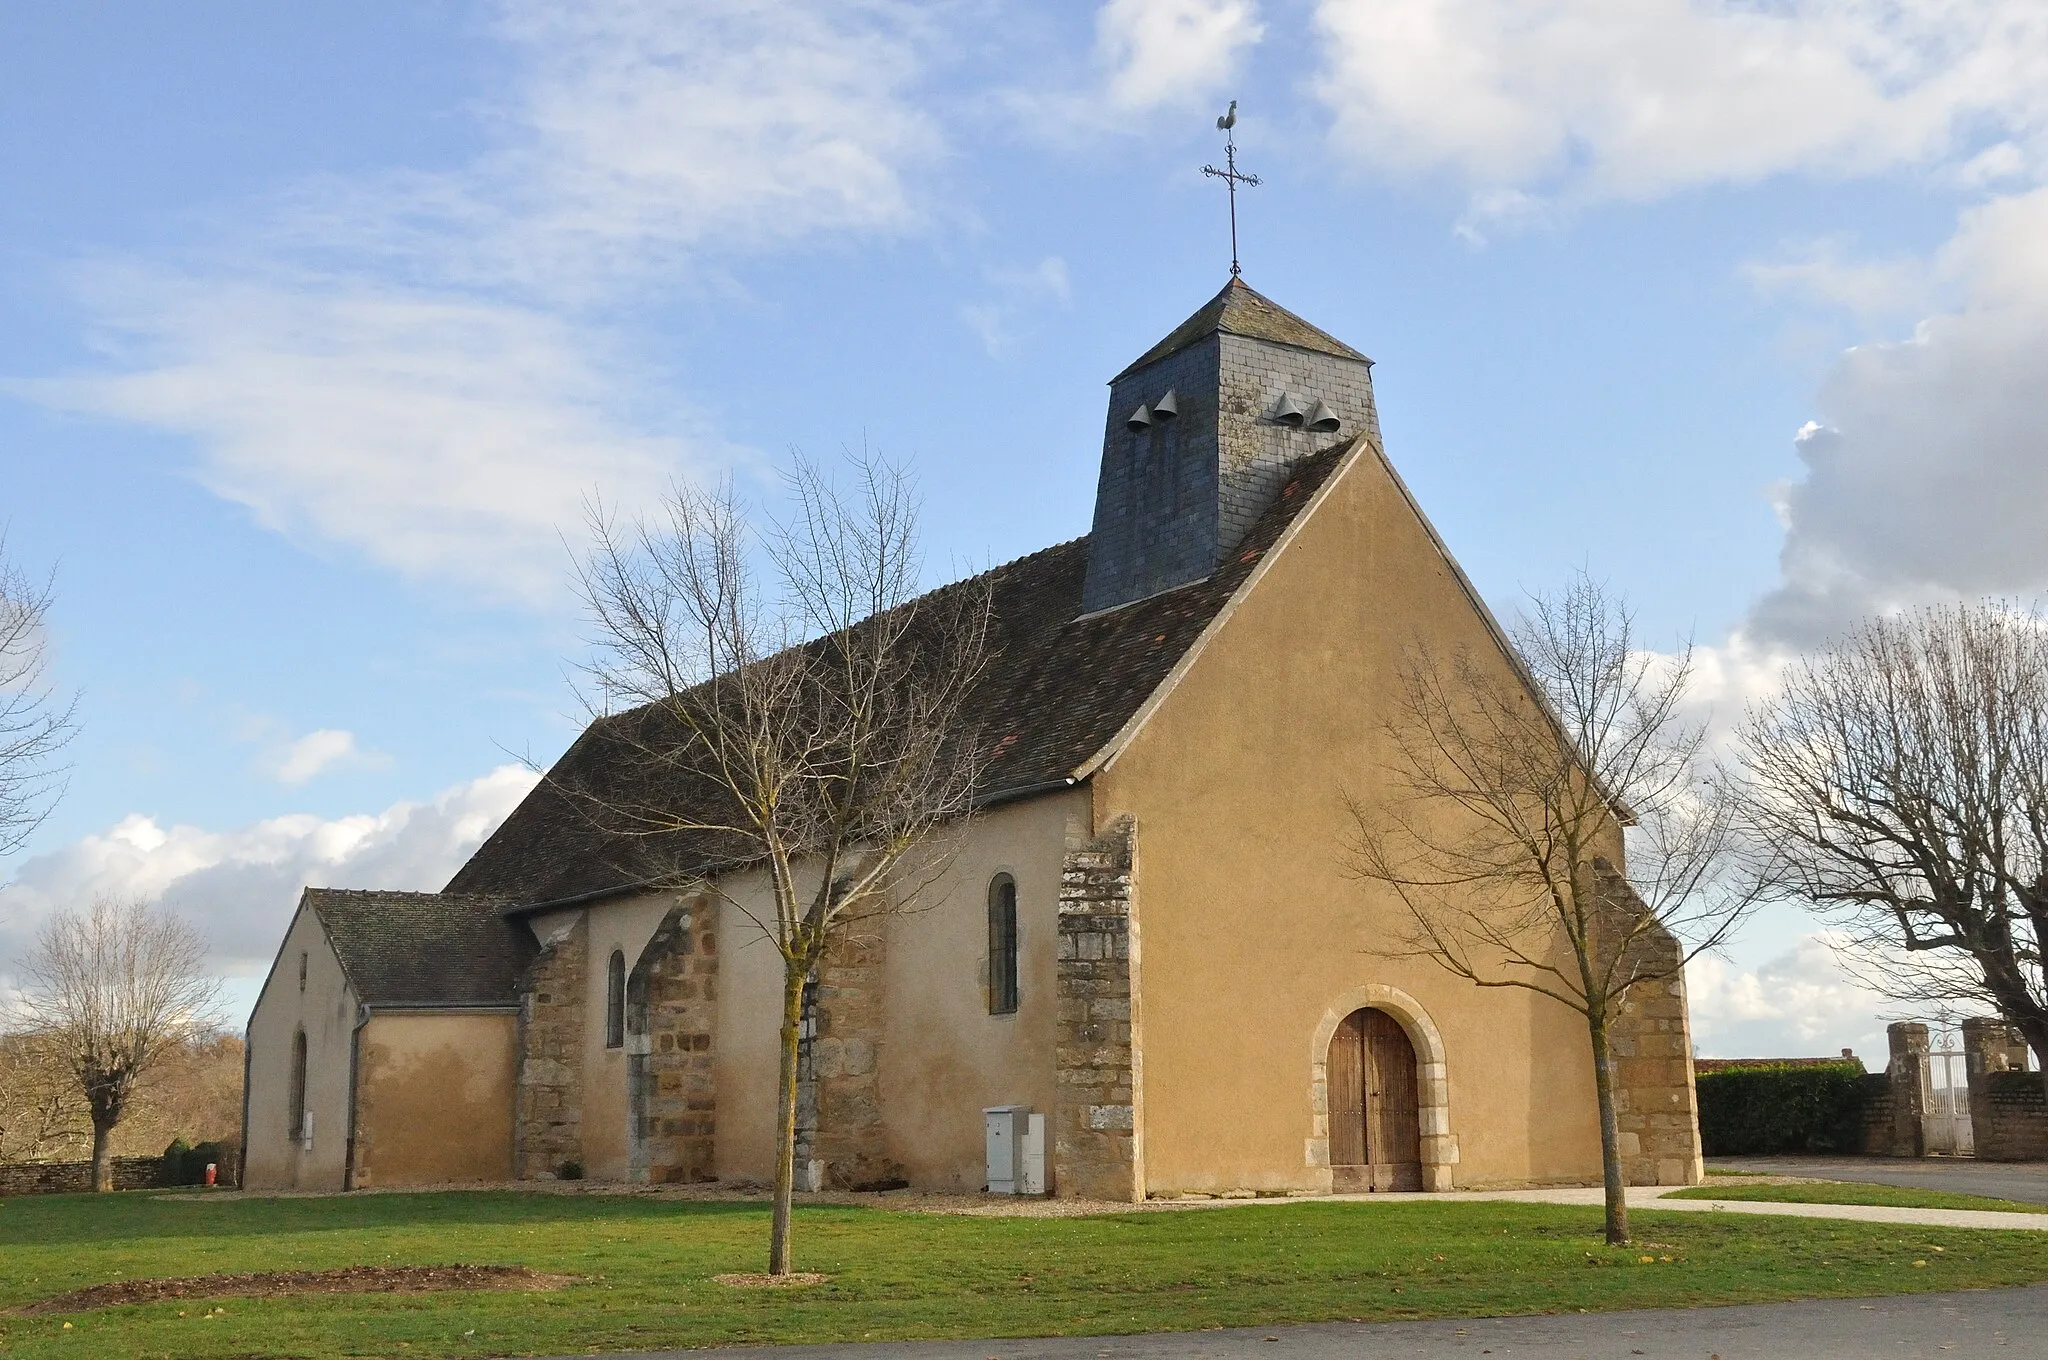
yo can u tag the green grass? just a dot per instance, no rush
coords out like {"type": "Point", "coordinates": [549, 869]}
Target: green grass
{"type": "Point", "coordinates": [1856, 1192]}
{"type": "Point", "coordinates": [644, 1266]}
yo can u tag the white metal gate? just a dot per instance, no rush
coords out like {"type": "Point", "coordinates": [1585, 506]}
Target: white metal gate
{"type": "Point", "coordinates": [1946, 1099]}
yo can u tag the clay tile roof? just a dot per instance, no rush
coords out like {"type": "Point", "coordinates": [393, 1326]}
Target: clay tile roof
{"type": "Point", "coordinates": [1058, 687]}
{"type": "Point", "coordinates": [1241, 310]}
{"type": "Point", "coordinates": [424, 949]}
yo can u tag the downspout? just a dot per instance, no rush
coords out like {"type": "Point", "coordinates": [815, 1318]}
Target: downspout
{"type": "Point", "coordinates": [248, 1052]}
{"type": "Point", "coordinates": [355, 1043]}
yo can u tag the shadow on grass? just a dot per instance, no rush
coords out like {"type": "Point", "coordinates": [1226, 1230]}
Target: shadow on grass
{"type": "Point", "coordinates": [45, 1219]}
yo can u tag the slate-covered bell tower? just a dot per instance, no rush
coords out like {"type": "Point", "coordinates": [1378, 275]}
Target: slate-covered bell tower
{"type": "Point", "coordinates": [1201, 432]}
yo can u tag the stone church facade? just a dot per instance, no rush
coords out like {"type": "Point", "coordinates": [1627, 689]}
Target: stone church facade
{"type": "Point", "coordinates": [1146, 934]}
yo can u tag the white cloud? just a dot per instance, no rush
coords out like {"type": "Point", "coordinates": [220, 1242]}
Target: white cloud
{"type": "Point", "coordinates": [241, 886]}
{"type": "Point", "coordinates": [1171, 52]}
{"type": "Point", "coordinates": [317, 752]}
{"type": "Point", "coordinates": [1925, 471]}
{"type": "Point", "coordinates": [446, 436]}
{"type": "Point", "coordinates": [1800, 1004]}
{"type": "Point", "coordinates": [430, 367]}
{"type": "Point", "coordinates": [1637, 98]}
{"type": "Point", "coordinates": [1827, 271]}
{"type": "Point", "coordinates": [1152, 60]}
{"type": "Point", "coordinates": [1019, 293]}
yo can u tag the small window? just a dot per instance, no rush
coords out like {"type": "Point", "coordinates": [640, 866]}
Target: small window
{"type": "Point", "coordinates": [298, 1088]}
{"type": "Point", "coordinates": [1002, 945]}
{"type": "Point", "coordinates": [302, 972]}
{"type": "Point", "coordinates": [615, 1001]}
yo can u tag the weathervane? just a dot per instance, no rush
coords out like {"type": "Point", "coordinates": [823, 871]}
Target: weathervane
{"type": "Point", "coordinates": [1231, 177]}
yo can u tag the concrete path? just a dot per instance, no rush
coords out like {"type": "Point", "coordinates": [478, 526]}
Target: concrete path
{"type": "Point", "coordinates": [2026, 1181]}
{"type": "Point", "coordinates": [1654, 1197]}
{"type": "Point", "coordinates": [2002, 1322]}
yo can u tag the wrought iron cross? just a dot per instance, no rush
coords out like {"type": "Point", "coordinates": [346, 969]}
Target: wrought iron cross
{"type": "Point", "coordinates": [1231, 177]}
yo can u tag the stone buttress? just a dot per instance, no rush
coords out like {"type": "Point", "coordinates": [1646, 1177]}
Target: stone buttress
{"type": "Point", "coordinates": [1098, 1126]}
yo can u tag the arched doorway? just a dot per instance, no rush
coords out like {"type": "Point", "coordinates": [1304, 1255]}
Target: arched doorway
{"type": "Point", "coordinates": [1374, 1105]}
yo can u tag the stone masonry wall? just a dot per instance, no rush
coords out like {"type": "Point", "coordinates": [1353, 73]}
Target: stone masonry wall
{"type": "Point", "coordinates": [1651, 1042]}
{"type": "Point", "coordinates": [75, 1178]}
{"type": "Point", "coordinates": [842, 1064]}
{"type": "Point", "coordinates": [2008, 1106]}
{"type": "Point", "coordinates": [1098, 1122]}
{"type": "Point", "coordinates": [671, 1023]}
{"type": "Point", "coordinates": [548, 1129]}
{"type": "Point", "coordinates": [2009, 1121]}
{"type": "Point", "coordinates": [1907, 1073]}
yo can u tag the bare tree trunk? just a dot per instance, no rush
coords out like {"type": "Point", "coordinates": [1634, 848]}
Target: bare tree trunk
{"type": "Point", "coordinates": [102, 1156]}
{"type": "Point", "coordinates": [785, 1117]}
{"type": "Point", "coordinates": [1610, 1134]}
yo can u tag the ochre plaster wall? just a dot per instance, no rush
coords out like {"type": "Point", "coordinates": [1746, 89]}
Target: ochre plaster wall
{"type": "Point", "coordinates": [1252, 931]}
{"type": "Point", "coordinates": [940, 1058]}
{"type": "Point", "coordinates": [746, 1052]}
{"type": "Point", "coordinates": [434, 1097]}
{"type": "Point", "coordinates": [943, 1057]}
{"type": "Point", "coordinates": [327, 1009]}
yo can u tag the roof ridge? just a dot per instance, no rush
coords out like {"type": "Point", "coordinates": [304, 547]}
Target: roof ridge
{"type": "Point", "coordinates": [404, 892]}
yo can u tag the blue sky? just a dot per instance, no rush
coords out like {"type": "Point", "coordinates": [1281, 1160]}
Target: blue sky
{"type": "Point", "coordinates": [318, 323]}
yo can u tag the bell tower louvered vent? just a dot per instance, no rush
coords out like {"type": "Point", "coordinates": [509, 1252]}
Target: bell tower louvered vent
{"type": "Point", "coordinates": [1201, 432]}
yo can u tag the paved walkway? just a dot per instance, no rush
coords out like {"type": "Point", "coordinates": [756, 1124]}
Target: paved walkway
{"type": "Point", "coordinates": [2026, 1181]}
{"type": "Point", "coordinates": [1654, 1197]}
{"type": "Point", "coordinates": [2002, 1322]}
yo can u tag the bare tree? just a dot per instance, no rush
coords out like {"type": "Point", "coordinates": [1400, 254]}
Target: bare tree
{"type": "Point", "coordinates": [112, 990]}
{"type": "Point", "coordinates": [35, 722]}
{"type": "Point", "coordinates": [1513, 779]}
{"type": "Point", "coordinates": [796, 706]}
{"type": "Point", "coordinates": [1902, 773]}
{"type": "Point", "coordinates": [42, 1115]}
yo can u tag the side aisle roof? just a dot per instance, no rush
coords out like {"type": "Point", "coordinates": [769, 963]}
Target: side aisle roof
{"type": "Point", "coordinates": [424, 949]}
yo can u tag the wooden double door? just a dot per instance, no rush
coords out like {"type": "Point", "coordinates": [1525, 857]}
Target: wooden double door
{"type": "Point", "coordinates": [1375, 1116]}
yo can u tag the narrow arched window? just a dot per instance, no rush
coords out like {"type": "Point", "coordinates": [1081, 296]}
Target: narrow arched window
{"type": "Point", "coordinates": [297, 1109]}
{"type": "Point", "coordinates": [1002, 945]}
{"type": "Point", "coordinates": [615, 1001]}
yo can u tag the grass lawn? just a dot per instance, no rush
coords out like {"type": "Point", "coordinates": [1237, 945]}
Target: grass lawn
{"type": "Point", "coordinates": [644, 1268]}
{"type": "Point", "coordinates": [1856, 1192]}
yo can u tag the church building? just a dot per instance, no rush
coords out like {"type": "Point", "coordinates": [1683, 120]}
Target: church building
{"type": "Point", "coordinates": [1147, 936]}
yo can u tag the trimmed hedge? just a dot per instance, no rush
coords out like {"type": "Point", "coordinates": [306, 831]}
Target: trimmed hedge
{"type": "Point", "coordinates": [186, 1165]}
{"type": "Point", "coordinates": [1770, 1109]}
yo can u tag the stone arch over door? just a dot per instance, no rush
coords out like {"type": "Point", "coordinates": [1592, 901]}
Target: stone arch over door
{"type": "Point", "coordinates": [1433, 1098]}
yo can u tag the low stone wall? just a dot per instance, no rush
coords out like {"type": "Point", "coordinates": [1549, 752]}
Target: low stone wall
{"type": "Point", "coordinates": [2010, 1120]}
{"type": "Point", "coordinates": [1880, 1126]}
{"type": "Point", "coordinates": [75, 1178]}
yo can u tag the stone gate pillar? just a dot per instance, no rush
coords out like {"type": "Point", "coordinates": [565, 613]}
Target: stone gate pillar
{"type": "Point", "coordinates": [1907, 1073]}
{"type": "Point", "coordinates": [1990, 1046]}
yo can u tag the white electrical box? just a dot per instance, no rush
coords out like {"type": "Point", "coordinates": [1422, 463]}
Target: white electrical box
{"type": "Point", "coordinates": [1031, 1161]}
{"type": "Point", "coordinates": [1007, 1126]}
